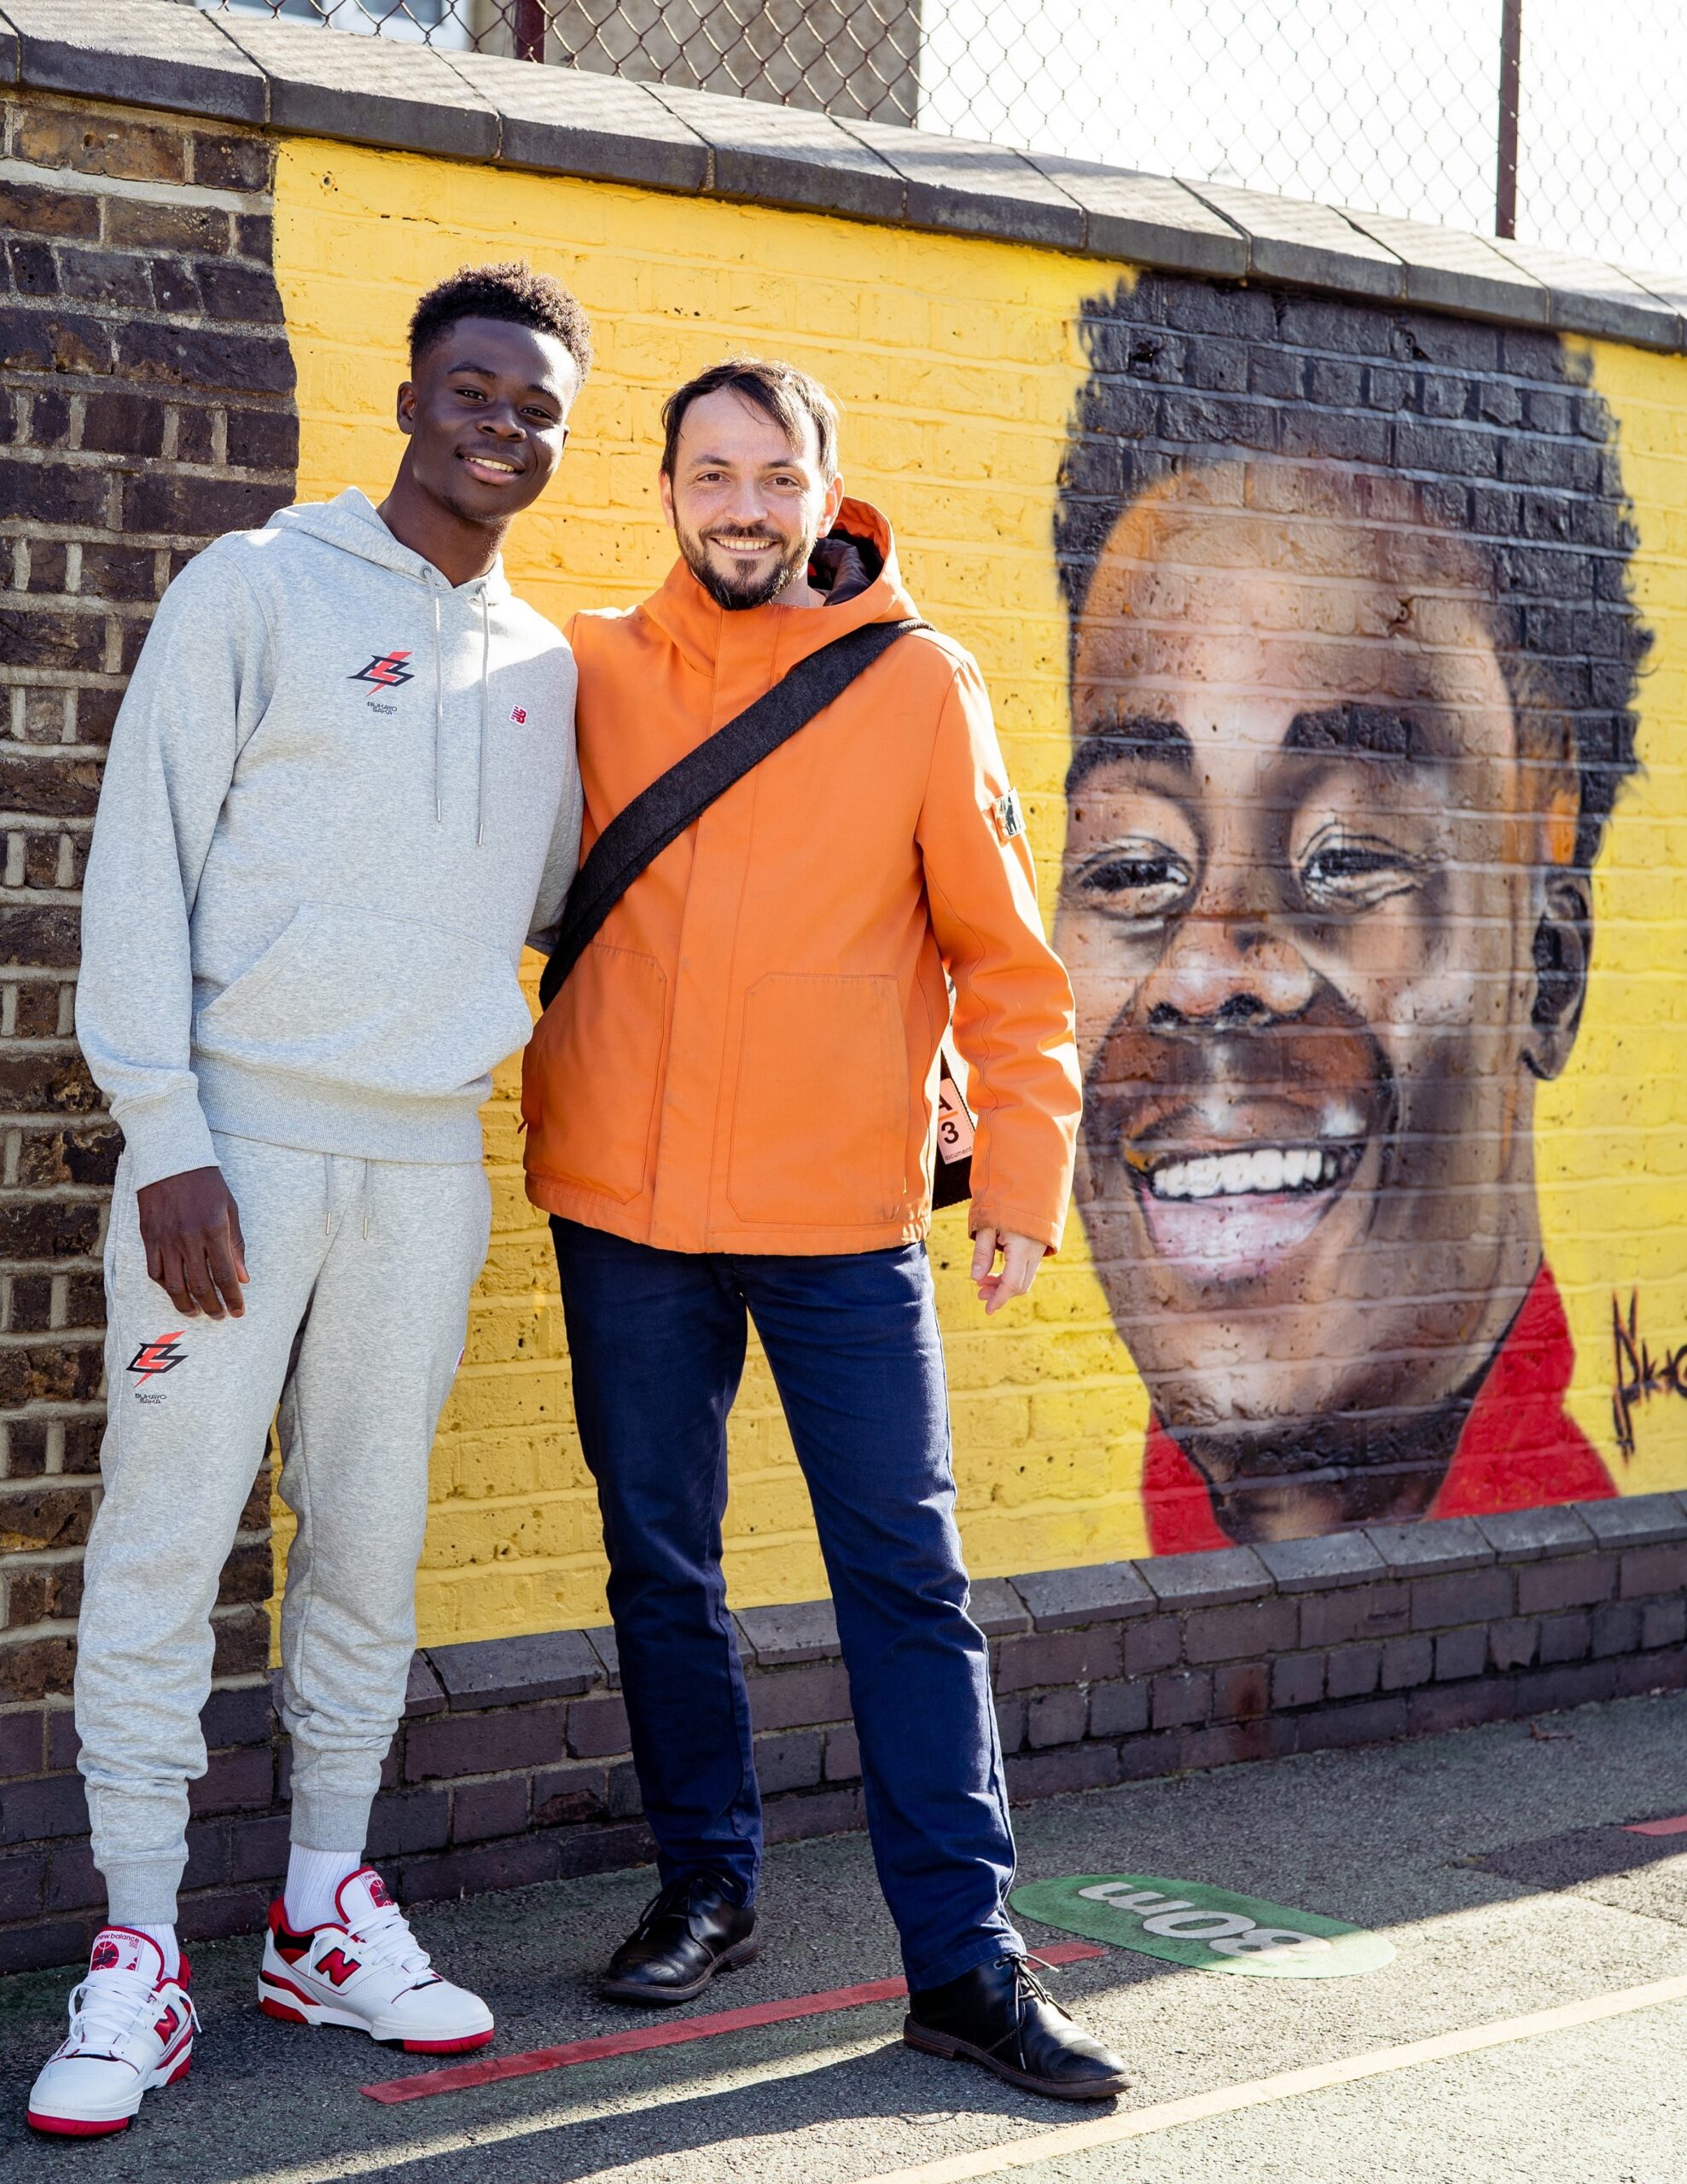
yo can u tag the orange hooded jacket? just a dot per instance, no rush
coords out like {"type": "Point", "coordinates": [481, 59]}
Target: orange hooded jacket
{"type": "Point", "coordinates": [745, 1058]}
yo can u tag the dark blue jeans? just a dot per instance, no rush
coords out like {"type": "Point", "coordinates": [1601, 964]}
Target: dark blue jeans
{"type": "Point", "coordinates": [657, 1342]}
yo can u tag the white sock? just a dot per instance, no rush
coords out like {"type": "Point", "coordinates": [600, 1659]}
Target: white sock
{"type": "Point", "coordinates": [168, 1948]}
{"type": "Point", "coordinates": [313, 1878]}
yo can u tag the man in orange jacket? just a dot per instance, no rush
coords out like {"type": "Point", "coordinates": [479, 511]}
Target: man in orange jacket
{"type": "Point", "coordinates": [730, 1115]}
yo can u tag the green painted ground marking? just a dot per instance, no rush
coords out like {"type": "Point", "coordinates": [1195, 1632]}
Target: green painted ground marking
{"type": "Point", "coordinates": [1186, 1922]}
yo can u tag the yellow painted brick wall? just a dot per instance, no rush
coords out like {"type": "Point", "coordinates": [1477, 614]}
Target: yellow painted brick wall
{"type": "Point", "coordinates": [957, 364]}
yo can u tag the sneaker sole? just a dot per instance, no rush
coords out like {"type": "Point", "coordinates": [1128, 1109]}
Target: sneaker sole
{"type": "Point", "coordinates": [963, 2051]}
{"type": "Point", "coordinates": [297, 2008]}
{"type": "Point", "coordinates": [87, 2127]}
{"type": "Point", "coordinates": [730, 1960]}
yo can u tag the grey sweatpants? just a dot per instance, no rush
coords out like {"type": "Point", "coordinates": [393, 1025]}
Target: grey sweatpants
{"type": "Point", "coordinates": [354, 1323]}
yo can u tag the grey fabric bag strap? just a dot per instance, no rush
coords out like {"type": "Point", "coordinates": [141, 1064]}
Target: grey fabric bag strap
{"type": "Point", "coordinates": [660, 814]}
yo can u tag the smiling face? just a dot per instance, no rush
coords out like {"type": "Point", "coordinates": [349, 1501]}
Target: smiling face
{"type": "Point", "coordinates": [1324, 936]}
{"type": "Point", "coordinates": [486, 414]}
{"type": "Point", "coordinates": [747, 503]}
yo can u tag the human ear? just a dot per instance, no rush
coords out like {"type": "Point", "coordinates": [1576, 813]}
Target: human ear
{"type": "Point", "coordinates": [406, 406]}
{"type": "Point", "coordinates": [1563, 947]}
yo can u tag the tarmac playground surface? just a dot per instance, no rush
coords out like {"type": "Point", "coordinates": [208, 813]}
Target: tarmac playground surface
{"type": "Point", "coordinates": [1537, 1984]}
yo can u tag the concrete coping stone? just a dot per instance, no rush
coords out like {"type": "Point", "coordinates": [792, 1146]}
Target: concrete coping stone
{"type": "Point", "coordinates": [1590, 297]}
{"type": "Point", "coordinates": [1098, 1592]}
{"type": "Point", "coordinates": [513, 1671]}
{"type": "Point", "coordinates": [1635, 1519]}
{"type": "Point", "coordinates": [1147, 219]}
{"type": "Point", "coordinates": [779, 1637]}
{"type": "Point", "coordinates": [1311, 1565]}
{"type": "Point", "coordinates": [996, 1607]}
{"type": "Point", "coordinates": [602, 1641]}
{"type": "Point", "coordinates": [574, 121]}
{"type": "Point", "coordinates": [974, 189]}
{"type": "Point", "coordinates": [1310, 244]}
{"type": "Point", "coordinates": [133, 49]}
{"type": "Point", "coordinates": [298, 76]}
{"type": "Point", "coordinates": [1447, 268]}
{"type": "Point", "coordinates": [378, 92]}
{"type": "Point", "coordinates": [1669, 288]}
{"type": "Point", "coordinates": [422, 1691]}
{"type": "Point", "coordinates": [1208, 1579]}
{"type": "Point", "coordinates": [1534, 1535]}
{"type": "Point", "coordinates": [785, 155]}
{"type": "Point", "coordinates": [1431, 1549]}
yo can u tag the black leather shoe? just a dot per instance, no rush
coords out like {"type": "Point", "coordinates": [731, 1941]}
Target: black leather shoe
{"type": "Point", "coordinates": [689, 1931]}
{"type": "Point", "coordinates": [1001, 2015]}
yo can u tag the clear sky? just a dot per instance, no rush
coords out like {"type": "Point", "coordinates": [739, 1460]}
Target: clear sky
{"type": "Point", "coordinates": [1389, 107]}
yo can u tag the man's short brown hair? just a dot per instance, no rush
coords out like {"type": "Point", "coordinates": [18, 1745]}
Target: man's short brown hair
{"type": "Point", "coordinates": [779, 390]}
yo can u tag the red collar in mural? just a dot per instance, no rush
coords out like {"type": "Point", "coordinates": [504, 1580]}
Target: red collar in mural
{"type": "Point", "coordinates": [1520, 1449]}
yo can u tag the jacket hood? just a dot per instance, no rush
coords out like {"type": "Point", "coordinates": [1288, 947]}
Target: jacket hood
{"type": "Point", "coordinates": [861, 537]}
{"type": "Point", "coordinates": [351, 522]}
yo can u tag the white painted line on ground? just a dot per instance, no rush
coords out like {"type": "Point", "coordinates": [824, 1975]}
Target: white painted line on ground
{"type": "Point", "coordinates": [1222, 2100]}
{"type": "Point", "coordinates": [376, 2161]}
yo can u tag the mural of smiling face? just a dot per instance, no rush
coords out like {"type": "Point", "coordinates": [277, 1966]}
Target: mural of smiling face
{"type": "Point", "coordinates": [1326, 933]}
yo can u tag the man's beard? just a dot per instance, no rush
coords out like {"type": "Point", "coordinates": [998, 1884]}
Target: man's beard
{"type": "Point", "coordinates": [736, 592]}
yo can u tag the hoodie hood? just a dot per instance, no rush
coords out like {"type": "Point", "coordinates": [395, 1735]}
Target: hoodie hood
{"type": "Point", "coordinates": [351, 522]}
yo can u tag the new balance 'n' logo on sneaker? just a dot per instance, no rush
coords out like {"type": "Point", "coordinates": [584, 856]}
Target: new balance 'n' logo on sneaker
{"type": "Point", "coordinates": [367, 1970]}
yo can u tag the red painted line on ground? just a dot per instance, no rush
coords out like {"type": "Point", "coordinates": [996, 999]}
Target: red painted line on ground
{"type": "Point", "coordinates": [1676, 1827]}
{"type": "Point", "coordinates": [459, 2077]}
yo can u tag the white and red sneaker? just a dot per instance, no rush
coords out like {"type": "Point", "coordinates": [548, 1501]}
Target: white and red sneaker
{"type": "Point", "coordinates": [132, 2028]}
{"type": "Point", "coordinates": [367, 1970]}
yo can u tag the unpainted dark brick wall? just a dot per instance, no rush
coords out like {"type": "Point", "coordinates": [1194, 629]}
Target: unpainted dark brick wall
{"type": "Point", "coordinates": [146, 406]}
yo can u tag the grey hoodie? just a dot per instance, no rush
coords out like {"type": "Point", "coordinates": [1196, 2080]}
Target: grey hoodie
{"type": "Point", "coordinates": [340, 793]}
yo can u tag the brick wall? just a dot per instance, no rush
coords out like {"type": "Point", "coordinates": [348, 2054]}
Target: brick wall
{"type": "Point", "coordinates": [511, 1763]}
{"type": "Point", "coordinates": [147, 407]}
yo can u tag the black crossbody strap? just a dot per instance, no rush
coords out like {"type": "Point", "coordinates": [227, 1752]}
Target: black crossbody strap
{"type": "Point", "coordinates": [660, 814]}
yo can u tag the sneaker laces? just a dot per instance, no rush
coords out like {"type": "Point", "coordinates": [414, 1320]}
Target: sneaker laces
{"type": "Point", "coordinates": [105, 2007]}
{"type": "Point", "coordinates": [388, 1943]}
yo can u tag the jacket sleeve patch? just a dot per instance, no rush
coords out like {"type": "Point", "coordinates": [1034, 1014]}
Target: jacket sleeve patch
{"type": "Point", "coordinates": [1009, 818]}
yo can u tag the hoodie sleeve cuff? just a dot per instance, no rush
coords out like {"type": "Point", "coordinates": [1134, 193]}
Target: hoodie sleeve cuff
{"type": "Point", "coordinates": [165, 1137]}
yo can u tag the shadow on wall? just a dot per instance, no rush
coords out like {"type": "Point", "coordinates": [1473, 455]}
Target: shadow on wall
{"type": "Point", "coordinates": [1353, 662]}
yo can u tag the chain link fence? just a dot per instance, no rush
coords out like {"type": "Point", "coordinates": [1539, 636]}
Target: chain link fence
{"type": "Point", "coordinates": [1388, 110]}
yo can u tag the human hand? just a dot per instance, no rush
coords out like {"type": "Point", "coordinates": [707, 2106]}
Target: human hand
{"type": "Point", "coordinates": [191, 1226]}
{"type": "Point", "coordinates": [1021, 1255]}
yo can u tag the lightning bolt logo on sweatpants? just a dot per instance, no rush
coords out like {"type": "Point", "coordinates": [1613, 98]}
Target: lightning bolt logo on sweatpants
{"type": "Point", "coordinates": [152, 1358]}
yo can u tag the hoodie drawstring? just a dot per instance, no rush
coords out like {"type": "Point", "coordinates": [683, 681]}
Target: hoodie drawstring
{"type": "Point", "coordinates": [486, 676]}
{"type": "Point", "coordinates": [366, 1170]}
{"type": "Point", "coordinates": [438, 712]}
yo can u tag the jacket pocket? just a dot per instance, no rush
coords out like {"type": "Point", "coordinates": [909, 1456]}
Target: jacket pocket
{"type": "Point", "coordinates": [820, 1118]}
{"type": "Point", "coordinates": [589, 1087]}
{"type": "Point", "coordinates": [379, 1004]}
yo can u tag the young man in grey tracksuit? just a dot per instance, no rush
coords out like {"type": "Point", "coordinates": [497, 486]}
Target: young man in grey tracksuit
{"type": "Point", "coordinates": [341, 792]}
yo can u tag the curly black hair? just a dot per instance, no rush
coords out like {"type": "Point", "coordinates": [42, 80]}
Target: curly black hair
{"type": "Point", "coordinates": [511, 291]}
{"type": "Point", "coordinates": [1496, 433]}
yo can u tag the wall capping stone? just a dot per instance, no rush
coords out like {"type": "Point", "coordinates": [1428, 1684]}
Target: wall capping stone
{"type": "Point", "coordinates": [295, 77]}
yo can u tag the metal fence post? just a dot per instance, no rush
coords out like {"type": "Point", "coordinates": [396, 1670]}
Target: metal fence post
{"type": "Point", "coordinates": [1510, 61]}
{"type": "Point", "coordinates": [530, 20]}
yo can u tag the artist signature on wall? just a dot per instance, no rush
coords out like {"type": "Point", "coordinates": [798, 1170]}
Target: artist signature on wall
{"type": "Point", "coordinates": [1640, 1373]}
